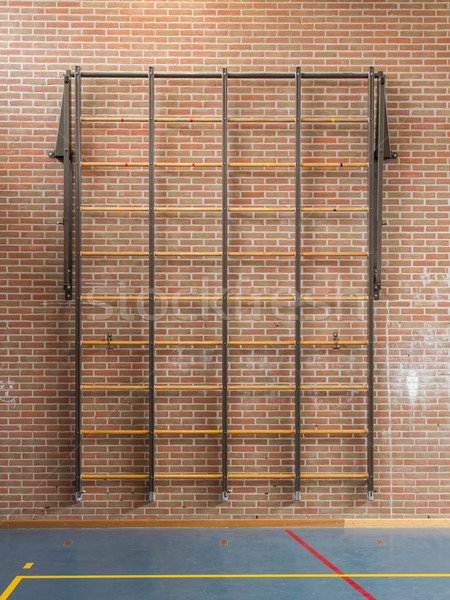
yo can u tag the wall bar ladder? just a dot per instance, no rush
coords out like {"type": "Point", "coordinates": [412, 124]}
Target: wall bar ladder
{"type": "Point", "coordinates": [370, 277]}
{"type": "Point", "coordinates": [151, 284]}
{"type": "Point", "coordinates": [224, 285]}
{"type": "Point", "coordinates": [298, 216]}
{"type": "Point", "coordinates": [78, 291]}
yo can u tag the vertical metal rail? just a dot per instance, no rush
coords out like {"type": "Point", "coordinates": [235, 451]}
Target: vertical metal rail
{"type": "Point", "coordinates": [298, 357]}
{"type": "Point", "coordinates": [370, 277]}
{"type": "Point", "coordinates": [68, 173]}
{"type": "Point", "coordinates": [78, 320]}
{"type": "Point", "coordinates": [151, 284]}
{"type": "Point", "coordinates": [380, 139]}
{"type": "Point", "coordinates": [224, 285]}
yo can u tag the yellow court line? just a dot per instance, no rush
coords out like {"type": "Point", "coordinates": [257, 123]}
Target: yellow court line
{"type": "Point", "coordinates": [234, 576]}
{"type": "Point", "coordinates": [11, 587]}
{"type": "Point", "coordinates": [28, 565]}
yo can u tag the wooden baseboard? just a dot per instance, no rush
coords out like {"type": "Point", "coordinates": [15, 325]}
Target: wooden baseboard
{"type": "Point", "coordinates": [223, 523]}
{"type": "Point", "coordinates": [110, 523]}
{"type": "Point", "coordinates": [436, 522]}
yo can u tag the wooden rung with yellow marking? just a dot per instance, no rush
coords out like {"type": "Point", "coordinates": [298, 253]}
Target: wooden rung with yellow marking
{"type": "Point", "coordinates": [207, 165]}
{"type": "Point", "coordinates": [342, 342]}
{"type": "Point", "coordinates": [125, 476]}
{"type": "Point", "coordinates": [232, 387]}
{"type": "Point", "coordinates": [237, 432]}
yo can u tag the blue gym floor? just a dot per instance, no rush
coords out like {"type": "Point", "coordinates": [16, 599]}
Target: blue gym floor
{"type": "Point", "coordinates": [225, 564]}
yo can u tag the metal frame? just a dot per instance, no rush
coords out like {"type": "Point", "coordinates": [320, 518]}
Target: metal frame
{"type": "Point", "coordinates": [378, 150]}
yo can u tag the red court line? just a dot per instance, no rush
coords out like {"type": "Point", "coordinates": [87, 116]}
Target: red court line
{"type": "Point", "coordinates": [330, 565]}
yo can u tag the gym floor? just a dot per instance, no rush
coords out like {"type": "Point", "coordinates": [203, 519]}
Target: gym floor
{"type": "Point", "coordinates": [219, 564]}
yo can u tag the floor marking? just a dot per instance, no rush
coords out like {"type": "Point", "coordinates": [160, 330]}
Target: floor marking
{"type": "Point", "coordinates": [331, 566]}
{"type": "Point", "coordinates": [28, 565]}
{"type": "Point", "coordinates": [11, 587]}
{"type": "Point", "coordinates": [235, 576]}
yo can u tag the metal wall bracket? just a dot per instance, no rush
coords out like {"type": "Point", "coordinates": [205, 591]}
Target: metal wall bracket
{"type": "Point", "coordinates": [387, 150]}
{"type": "Point", "coordinates": [382, 152]}
{"type": "Point", "coordinates": [63, 152]}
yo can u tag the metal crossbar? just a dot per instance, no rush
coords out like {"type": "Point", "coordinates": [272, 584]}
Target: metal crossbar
{"type": "Point", "coordinates": [378, 151]}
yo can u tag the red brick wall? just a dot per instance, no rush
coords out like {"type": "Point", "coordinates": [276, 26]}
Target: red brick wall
{"type": "Point", "coordinates": [409, 42]}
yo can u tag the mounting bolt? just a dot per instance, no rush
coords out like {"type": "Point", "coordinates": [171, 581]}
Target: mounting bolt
{"type": "Point", "coordinates": [51, 154]}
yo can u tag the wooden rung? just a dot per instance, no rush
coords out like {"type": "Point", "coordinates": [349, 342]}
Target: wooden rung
{"type": "Point", "coordinates": [113, 476]}
{"type": "Point", "coordinates": [188, 476]}
{"type": "Point", "coordinates": [180, 387]}
{"type": "Point", "coordinates": [114, 387]}
{"type": "Point", "coordinates": [342, 342]}
{"type": "Point", "coordinates": [334, 476]}
{"type": "Point", "coordinates": [272, 254]}
{"type": "Point", "coordinates": [144, 208]}
{"type": "Point", "coordinates": [113, 253]}
{"type": "Point", "coordinates": [126, 476]}
{"type": "Point", "coordinates": [237, 432]}
{"type": "Point", "coordinates": [334, 298]}
{"type": "Point", "coordinates": [326, 387]}
{"type": "Point", "coordinates": [115, 119]}
{"type": "Point", "coordinates": [114, 208]}
{"type": "Point", "coordinates": [219, 119]}
{"type": "Point", "coordinates": [188, 253]}
{"type": "Point", "coordinates": [90, 164]}
{"type": "Point", "coordinates": [260, 298]}
{"type": "Point", "coordinates": [334, 209]}
{"type": "Point", "coordinates": [102, 298]}
{"type": "Point", "coordinates": [230, 298]}
{"type": "Point", "coordinates": [337, 254]}
{"type": "Point", "coordinates": [188, 119]}
{"type": "Point", "coordinates": [201, 298]}
{"type": "Point", "coordinates": [334, 119]}
{"type": "Point", "coordinates": [177, 165]}
{"type": "Point", "coordinates": [235, 254]}
{"type": "Point", "coordinates": [330, 343]}
{"type": "Point", "coordinates": [248, 165]}
{"type": "Point", "coordinates": [101, 432]}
